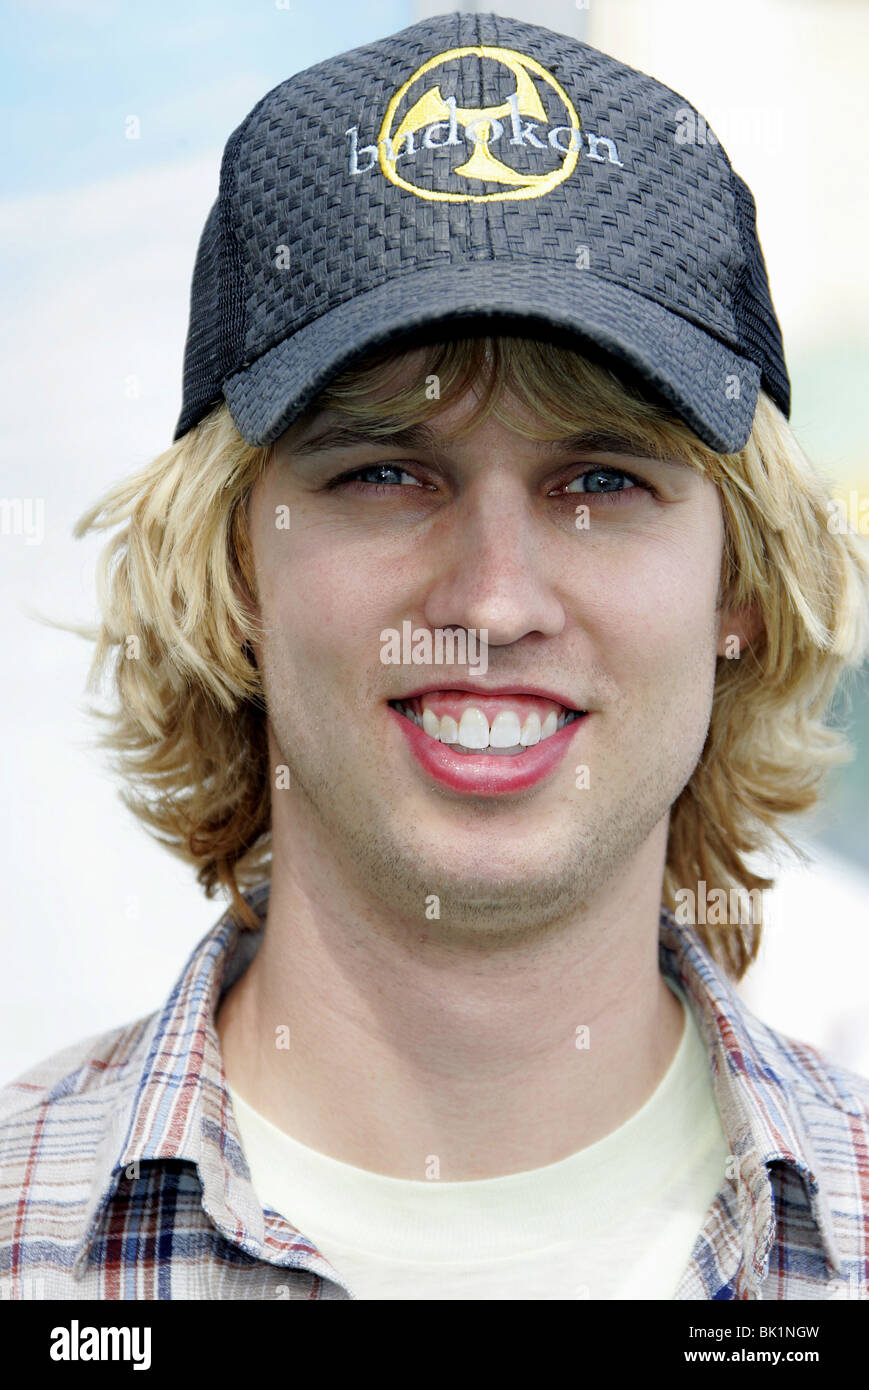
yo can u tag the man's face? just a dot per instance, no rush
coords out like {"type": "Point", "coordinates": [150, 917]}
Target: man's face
{"type": "Point", "coordinates": [615, 617]}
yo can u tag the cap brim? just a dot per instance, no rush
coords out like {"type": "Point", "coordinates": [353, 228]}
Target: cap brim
{"type": "Point", "coordinates": [712, 388]}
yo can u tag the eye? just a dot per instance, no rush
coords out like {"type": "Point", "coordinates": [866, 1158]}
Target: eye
{"type": "Point", "coordinates": [382, 477]}
{"type": "Point", "coordinates": [613, 483]}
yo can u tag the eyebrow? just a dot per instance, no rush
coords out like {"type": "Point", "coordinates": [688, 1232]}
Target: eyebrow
{"type": "Point", "coordinates": [420, 436]}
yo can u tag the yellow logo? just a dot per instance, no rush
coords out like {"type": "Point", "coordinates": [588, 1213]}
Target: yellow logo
{"type": "Point", "coordinates": [431, 114]}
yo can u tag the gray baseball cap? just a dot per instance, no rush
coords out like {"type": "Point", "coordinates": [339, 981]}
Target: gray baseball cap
{"type": "Point", "coordinates": [483, 174]}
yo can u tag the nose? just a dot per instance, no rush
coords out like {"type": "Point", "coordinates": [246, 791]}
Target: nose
{"type": "Point", "coordinates": [492, 565]}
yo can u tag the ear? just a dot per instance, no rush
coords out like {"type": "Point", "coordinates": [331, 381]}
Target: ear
{"type": "Point", "coordinates": [738, 628]}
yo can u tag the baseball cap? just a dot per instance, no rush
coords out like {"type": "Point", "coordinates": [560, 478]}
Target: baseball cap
{"type": "Point", "coordinates": [480, 173]}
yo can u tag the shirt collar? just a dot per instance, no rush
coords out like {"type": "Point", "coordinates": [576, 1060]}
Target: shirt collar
{"type": "Point", "coordinates": [759, 1078]}
{"type": "Point", "coordinates": [177, 1106]}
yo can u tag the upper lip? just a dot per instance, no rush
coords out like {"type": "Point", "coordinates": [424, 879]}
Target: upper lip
{"type": "Point", "coordinates": [489, 690]}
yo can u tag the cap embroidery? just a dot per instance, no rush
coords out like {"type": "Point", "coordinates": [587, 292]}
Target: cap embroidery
{"type": "Point", "coordinates": [521, 121]}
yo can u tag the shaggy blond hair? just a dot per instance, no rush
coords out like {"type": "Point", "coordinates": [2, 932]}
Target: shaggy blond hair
{"type": "Point", "coordinates": [187, 725]}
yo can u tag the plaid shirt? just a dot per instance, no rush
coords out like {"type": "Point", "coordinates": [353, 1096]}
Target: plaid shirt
{"type": "Point", "coordinates": [122, 1175]}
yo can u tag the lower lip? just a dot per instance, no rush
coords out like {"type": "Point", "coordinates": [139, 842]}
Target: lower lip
{"type": "Point", "coordinates": [487, 774]}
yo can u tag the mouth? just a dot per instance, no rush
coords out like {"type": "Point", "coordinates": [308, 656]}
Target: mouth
{"type": "Point", "coordinates": [489, 726]}
{"type": "Point", "coordinates": [485, 744]}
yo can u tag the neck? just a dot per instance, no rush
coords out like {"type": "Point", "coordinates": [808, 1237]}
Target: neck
{"type": "Point", "coordinates": [496, 1056]}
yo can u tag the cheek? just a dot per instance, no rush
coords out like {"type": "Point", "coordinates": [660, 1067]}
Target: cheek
{"type": "Point", "coordinates": [321, 597]}
{"type": "Point", "coordinates": [653, 608]}
{"type": "Point", "coordinates": [654, 637]}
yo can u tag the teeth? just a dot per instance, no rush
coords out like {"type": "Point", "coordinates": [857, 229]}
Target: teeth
{"type": "Point", "coordinates": [473, 734]}
{"type": "Point", "coordinates": [530, 730]}
{"type": "Point", "coordinates": [505, 730]}
{"type": "Point", "coordinates": [474, 729]}
{"type": "Point", "coordinates": [449, 729]}
{"type": "Point", "coordinates": [550, 724]}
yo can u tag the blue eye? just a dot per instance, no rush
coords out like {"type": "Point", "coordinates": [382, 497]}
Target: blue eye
{"type": "Point", "coordinates": [386, 475]}
{"type": "Point", "coordinates": [608, 478]}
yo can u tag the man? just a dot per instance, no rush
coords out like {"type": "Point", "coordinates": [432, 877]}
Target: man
{"type": "Point", "coordinates": [480, 348]}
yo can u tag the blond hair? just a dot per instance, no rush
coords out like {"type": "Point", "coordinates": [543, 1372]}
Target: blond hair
{"type": "Point", "coordinates": [187, 725]}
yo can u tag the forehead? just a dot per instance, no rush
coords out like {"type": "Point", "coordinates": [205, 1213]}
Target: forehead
{"type": "Point", "coordinates": [551, 394]}
{"type": "Point", "coordinates": [408, 373]}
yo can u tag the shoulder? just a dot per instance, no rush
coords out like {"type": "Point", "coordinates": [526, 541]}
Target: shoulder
{"type": "Point", "coordinates": [817, 1116]}
{"type": "Point", "coordinates": [820, 1081]}
{"type": "Point", "coordinates": [821, 1111]}
{"type": "Point", "coordinates": [93, 1066]}
{"type": "Point", "coordinates": [55, 1115]}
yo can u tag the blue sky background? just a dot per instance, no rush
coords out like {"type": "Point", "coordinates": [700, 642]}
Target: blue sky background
{"type": "Point", "coordinates": [75, 69]}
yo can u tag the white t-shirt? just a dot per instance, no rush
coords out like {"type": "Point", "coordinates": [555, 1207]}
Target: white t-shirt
{"type": "Point", "coordinates": [617, 1220]}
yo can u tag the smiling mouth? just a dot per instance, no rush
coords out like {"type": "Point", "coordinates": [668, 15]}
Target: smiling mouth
{"type": "Point", "coordinates": [506, 736]}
